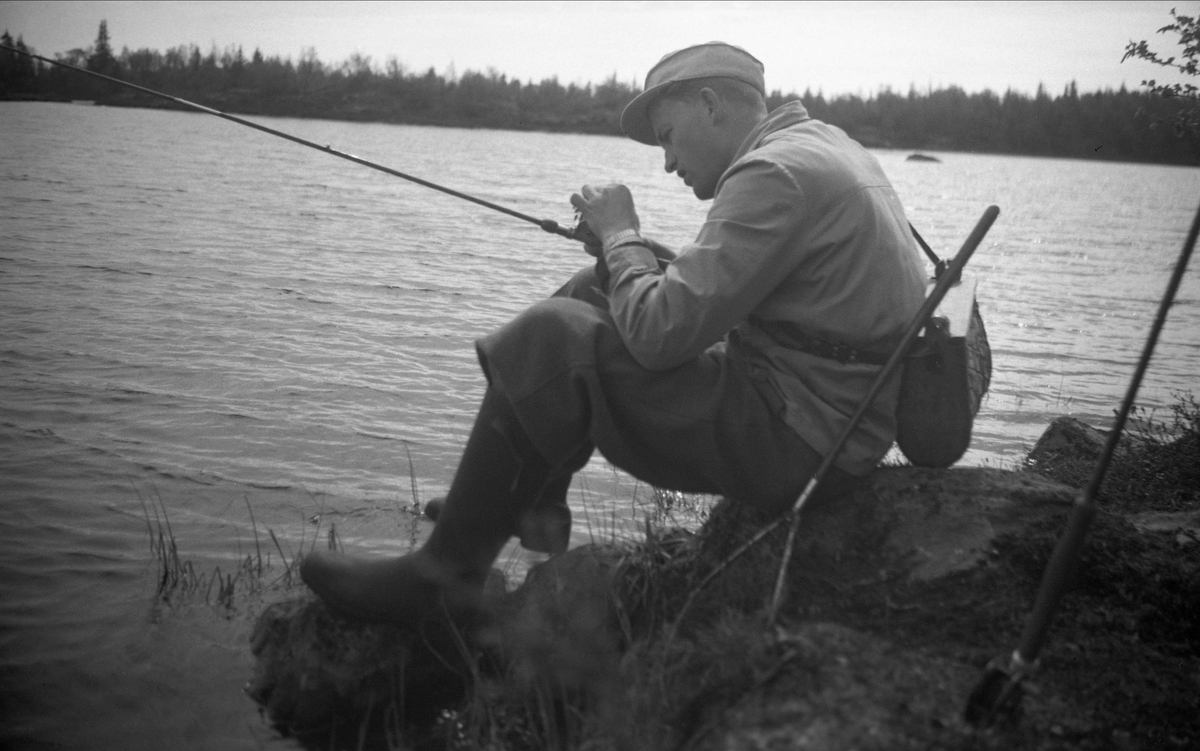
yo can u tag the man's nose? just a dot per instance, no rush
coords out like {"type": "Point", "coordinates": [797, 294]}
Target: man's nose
{"type": "Point", "coordinates": [669, 158]}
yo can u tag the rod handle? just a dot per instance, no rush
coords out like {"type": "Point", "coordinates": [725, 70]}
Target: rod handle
{"type": "Point", "coordinates": [1056, 578]}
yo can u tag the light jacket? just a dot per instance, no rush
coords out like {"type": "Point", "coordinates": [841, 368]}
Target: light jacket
{"type": "Point", "coordinates": [804, 229]}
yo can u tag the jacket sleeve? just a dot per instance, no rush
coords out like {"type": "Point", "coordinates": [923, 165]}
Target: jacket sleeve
{"type": "Point", "coordinates": [745, 248]}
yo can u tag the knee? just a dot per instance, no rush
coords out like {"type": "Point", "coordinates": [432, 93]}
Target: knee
{"type": "Point", "coordinates": [553, 322]}
{"type": "Point", "coordinates": [585, 286]}
{"type": "Point", "coordinates": [547, 336]}
{"type": "Point", "coordinates": [551, 325]}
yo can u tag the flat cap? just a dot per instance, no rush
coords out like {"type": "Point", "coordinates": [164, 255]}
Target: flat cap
{"type": "Point", "coordinates": [711, 60]}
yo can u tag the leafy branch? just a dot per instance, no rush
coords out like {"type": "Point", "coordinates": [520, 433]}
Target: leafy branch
{"type": "Point", "coordinates": [1187, 119]}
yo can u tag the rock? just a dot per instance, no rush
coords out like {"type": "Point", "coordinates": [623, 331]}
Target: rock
{"type": "Point", "coordinates": [941, 522]}
{"type": "Point", "coordinates": [1151, 469]}
{"type": "Point", "coordinates": [837, 688]}
{"type": "Point", "coordinates": [319, 676]}
{"type": "Point", "coordinates": [562, 627]}
{"type": "Point", "coordinates": [569, 625]}
{"type": "Point", "coordinates": [579, 578]}
{"type": "Point", "coordinates": [922, 158]}
{"type": "Point", "coordinates": [926, 523]}
{"type": "Point", "coordinates": [1068, 451]}
{"type": "Point", "coordinates": [1184, 524]}
{"type": "Point", "coordinates": [1068, 439]}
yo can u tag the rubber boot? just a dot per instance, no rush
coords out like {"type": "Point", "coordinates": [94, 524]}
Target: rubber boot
{"type": "Point", "coordinates": [544, 528]}
{"type": "Point", "coordinates": [499, 477]}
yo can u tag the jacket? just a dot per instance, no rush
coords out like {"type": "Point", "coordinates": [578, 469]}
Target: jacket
{"type": "Point", "coordinates": [804, 231]}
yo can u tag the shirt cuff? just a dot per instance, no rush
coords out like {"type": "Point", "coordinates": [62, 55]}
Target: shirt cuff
{"type": "Point", "coordinates": [631, 258]}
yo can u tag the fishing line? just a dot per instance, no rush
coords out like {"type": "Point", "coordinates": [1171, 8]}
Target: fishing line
{"type": "Point", "coordinates": [579, 232]}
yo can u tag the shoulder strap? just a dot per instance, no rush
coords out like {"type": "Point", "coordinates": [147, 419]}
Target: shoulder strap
{"type": "Point", "coordinates": [939, 266]}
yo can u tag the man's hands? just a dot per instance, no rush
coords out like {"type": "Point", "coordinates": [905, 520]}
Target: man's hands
{"type": "Point", "coordinates": [607, 209]}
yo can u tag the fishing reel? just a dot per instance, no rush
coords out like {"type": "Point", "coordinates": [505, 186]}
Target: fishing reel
{"type": "Point", "coordinates": [583, 233]}
{"type": "Point", "coordinates": [580, 232]}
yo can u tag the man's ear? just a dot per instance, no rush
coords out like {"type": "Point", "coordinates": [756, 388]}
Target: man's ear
{"type": "Point", "coordinates": [712, 105]}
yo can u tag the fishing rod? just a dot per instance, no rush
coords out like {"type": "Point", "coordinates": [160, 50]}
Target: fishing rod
{"type": "Point", "coordinates": [999, 692]}
{"type": "Point", "coordinates": [580, 232]}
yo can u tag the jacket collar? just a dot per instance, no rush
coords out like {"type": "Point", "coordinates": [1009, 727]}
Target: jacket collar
{"type": "Point", "coordinates": [783, 117]}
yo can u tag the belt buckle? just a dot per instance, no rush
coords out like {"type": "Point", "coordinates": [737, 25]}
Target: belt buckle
{"type": "Point", "coordinates": [843, 353]}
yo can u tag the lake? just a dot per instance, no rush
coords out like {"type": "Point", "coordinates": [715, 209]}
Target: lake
{"type": "Point", "coordinates": [207, 322]}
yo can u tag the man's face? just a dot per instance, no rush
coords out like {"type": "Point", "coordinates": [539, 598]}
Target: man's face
{"type": "Point", "coordinates": [691, 142]}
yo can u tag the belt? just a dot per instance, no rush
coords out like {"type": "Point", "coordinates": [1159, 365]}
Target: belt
{"type": "Point", "coordinates": [794, 337]}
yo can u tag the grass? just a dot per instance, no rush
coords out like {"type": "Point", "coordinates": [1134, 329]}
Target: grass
{"type": "Point", "coordinates": [179, 579]}
{"type": "Point", "coordinates": [414, 510]}
{"type": "Point", "coordinates": [1156, 466]}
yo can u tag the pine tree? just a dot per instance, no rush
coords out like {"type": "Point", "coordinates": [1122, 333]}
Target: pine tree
{"type": "Point", "coordinates": [8, 66]}
{"type": "Point", "coordinates": [102, 60]}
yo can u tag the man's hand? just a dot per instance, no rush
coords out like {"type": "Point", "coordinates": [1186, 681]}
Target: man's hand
{"type": "Point", "coordinates": [607, 209]}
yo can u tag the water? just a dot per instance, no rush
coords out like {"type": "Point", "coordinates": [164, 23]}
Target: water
{"type": "Point", "coordinates": [196, 313]}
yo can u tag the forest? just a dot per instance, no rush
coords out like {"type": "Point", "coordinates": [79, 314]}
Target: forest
{"type": "Point", "coordinates": [1112, 125]}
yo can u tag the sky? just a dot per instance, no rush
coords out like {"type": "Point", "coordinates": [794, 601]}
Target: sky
{"type": "Point", "coordinates": [832, 47]}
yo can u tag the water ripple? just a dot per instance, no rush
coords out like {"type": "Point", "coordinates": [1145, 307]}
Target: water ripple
{"type": "Point", "coordinates": [218, 320]}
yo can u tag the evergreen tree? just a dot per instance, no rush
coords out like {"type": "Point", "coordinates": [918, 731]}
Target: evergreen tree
{"type": "Point", "coordinates": [18, 72]}
{"type": "Point", "coordinates": [101, 60]}
{"type": "Point", "coordinates": [1071, 124]}
{"type": "Point", "coordinates": [8, 67]}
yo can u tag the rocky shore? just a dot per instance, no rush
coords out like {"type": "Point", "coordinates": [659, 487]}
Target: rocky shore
{"type": "Point", "coordinates": [896, 600]}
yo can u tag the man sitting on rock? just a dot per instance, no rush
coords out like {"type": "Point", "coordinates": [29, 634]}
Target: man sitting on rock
{"type": "Point", "coordinates": [730, 368]}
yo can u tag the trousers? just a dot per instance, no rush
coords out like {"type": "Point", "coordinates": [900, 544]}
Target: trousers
{"type": "Point", "coordinates": [713, 425]}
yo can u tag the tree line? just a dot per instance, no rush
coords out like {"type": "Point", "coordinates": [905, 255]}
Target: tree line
{"type": "Point", "coordinates": [1110, 125]}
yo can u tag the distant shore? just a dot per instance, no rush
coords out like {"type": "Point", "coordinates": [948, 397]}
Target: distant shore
{"type": "Point", "coordinates": [1122, 125]}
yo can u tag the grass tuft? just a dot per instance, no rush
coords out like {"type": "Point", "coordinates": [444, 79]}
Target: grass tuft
{"type": "Point", "coordinates": [178, 579]}
{"type": "Point", "coordinates": [1156, 466]}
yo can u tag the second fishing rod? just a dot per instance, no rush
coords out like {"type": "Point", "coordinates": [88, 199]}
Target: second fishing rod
{"type": "Point", "coordinates": [579, 232]}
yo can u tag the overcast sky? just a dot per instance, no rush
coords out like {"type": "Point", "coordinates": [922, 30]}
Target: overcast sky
{"type": "Point", "coordinates": [836, 47]}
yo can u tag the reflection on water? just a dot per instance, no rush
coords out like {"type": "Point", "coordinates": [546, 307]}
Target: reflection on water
{"type": "Point", "coordinates": [215, 316]}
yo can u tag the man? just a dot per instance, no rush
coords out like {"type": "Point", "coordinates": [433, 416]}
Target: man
{"type": "Point", "coordinates": [728, 369]}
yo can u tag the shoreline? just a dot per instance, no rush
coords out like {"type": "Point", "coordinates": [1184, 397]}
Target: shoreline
{"type": "Point", "coordinates": [898, 599]}
{"type": "Point", "coordinates": [869, 138]}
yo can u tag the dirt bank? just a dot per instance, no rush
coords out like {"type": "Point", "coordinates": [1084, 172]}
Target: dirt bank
{"type": "Point", "coordinates": [896, 600]}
